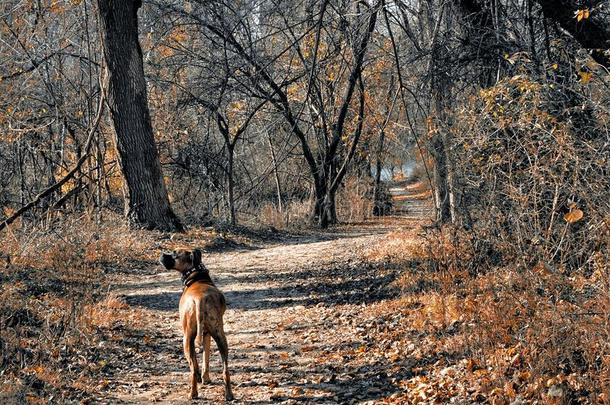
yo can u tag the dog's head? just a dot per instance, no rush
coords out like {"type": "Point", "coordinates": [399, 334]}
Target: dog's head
{"type": "Point", "coordinates": [181, 260]}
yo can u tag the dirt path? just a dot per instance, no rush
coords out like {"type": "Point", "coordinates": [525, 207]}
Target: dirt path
{"type": "Point", "coordinates": [291, 307]}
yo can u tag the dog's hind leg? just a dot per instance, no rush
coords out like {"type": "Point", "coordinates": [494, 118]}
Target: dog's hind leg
{"type": "Point", "coordinates": [206, 359]}
{"type": "Point", "coordinates": [189, 352]}
{"type": "Point", "coordinates": [223, 348]}
{"type": "Point", "coordinates": [199, 337]}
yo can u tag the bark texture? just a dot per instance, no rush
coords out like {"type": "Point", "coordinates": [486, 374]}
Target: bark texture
{"type": "Point", "coordinates": [146, 200]}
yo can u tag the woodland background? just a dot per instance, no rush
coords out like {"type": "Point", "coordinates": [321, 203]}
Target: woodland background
{"type": "Point", "coordinates": [264, 117]}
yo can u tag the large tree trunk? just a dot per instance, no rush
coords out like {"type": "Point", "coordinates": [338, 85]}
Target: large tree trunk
{"type": "Point", "coordinates": [325, 212]}
{"type": "Point", "coordinates": [325, 209]}
{"type": "Point", "coordinates": [330, 208]}
{"type": "Point", "coordinates": [439, 146]}
{"type": "Point", "coordinates": [318, 215]}
{"type": "Point", "coordinates": [146, 200]}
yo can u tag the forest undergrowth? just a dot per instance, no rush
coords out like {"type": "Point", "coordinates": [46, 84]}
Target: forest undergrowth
{"type": "Point", "coordinates": [510, 302]}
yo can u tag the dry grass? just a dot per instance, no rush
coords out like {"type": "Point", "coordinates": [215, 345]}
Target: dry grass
{"type": "Point", "coordinates": [523, 344]}
{"type": "Point", "coordinates": [503, 335]}
{"type": "Point", "coordinates": [398, 246]}
{"type": "Point", "coordinates": [293, 214]}
{"type": "Point", "coordinates": [52, 307]}
{"type": "Point", "coordinates": [107, 313]}
{"type": "Point", "coordinates": [354, 203]}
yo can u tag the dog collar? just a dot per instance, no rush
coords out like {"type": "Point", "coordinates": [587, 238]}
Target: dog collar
{"type": "Point", "coordinates": [187, 273]}
{"type": "Point", "coordinates": [199, 273]}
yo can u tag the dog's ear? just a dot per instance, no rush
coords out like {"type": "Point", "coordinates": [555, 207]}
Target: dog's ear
{"type": "Point", "coordinates": [196, 257]}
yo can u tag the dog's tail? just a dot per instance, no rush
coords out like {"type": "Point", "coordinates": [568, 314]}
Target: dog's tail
{"type": "Point", "coordinates": [198, 315]}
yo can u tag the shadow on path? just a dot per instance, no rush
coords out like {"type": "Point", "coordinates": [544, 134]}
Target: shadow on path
{"type": "Point", "coordinates": [346, 283]}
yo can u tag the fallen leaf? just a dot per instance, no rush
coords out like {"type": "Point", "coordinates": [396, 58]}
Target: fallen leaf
{"type": "Point", "coordinates": [585, 77]}
{"type": "Point", "coordinates": [582, 14]}
{"type": "Point", "coordinates": [573, 216]}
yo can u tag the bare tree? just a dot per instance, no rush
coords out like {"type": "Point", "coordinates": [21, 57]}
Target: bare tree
{"type": "Point", "coordinates": [326, 169]}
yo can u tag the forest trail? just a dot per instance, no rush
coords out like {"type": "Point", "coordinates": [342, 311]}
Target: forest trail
{"type": "Point", "coordinates": [292, 305]}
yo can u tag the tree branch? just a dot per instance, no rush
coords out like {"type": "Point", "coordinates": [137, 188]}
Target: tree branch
{"type": "Point", "coordinates": [68, 176]}
{"type": "Point", "coordinates": [592, 33]}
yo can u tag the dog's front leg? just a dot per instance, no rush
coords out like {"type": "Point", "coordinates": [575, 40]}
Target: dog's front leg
{"type": "Point", "coordinates": [206, 359]}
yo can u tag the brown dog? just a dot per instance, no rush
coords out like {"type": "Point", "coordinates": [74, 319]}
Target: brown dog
{"type": "Point", "coordinates": [202, 306]}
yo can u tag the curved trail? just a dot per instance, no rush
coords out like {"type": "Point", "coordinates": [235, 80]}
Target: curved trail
{"type": "Point", "coordinates": [291, 307]}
